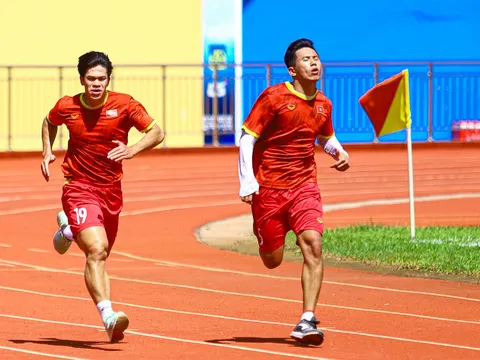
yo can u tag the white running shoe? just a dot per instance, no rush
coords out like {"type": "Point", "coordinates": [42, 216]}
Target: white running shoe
{"type": "Point", "coordinates": [115, 325]}
{"type": "Point", "coordinates": [60, 242]}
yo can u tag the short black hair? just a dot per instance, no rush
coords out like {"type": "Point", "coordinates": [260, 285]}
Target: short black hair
{"type": "Point", "coordinates": [290, 55]}
{"type": "Point", "coordinates": [92, 59]}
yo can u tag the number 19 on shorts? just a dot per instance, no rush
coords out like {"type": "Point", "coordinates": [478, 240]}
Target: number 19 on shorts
{"type": "Point", "coordinates": [81, 215]}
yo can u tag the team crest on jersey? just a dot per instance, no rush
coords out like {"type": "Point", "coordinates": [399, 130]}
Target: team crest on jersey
{"type": "Point", "coordinates": [111, 113]}
{"type": "Point", "coordinates": [73, 116]}
{"type": "Point", "coordinates": [291, 106]}
{"type": "Point", "coordinates": [319, 109]}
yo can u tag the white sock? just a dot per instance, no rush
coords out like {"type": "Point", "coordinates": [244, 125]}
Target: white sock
{"type": "Point", "coordinates": [67, 232]}
{"type": "Point", "coordinates": [307, 315]}
{"type": "Point", "coordinates": [105, 309]}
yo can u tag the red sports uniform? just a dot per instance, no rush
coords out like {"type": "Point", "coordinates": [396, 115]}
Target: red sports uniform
{"type": "Point", "coordinates": [286, 124]}
{"type": "Point", "coordinates": [92, 195]}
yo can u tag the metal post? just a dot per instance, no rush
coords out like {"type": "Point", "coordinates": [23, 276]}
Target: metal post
{"type": "Point", "coordinates": [164, 103]}
{"type": "Point", "coordinates": [269, 74]}
{"type": "Point", "coordinates": [430, 103]}
{"type": "Point", "coordinates": [215, 140]}
{"type": "Point", "coordinates": [60, 90]}
{"type": "Point", "coordinates": [375, 82]}
{"type": "Point", "coordinates": [9, 106]}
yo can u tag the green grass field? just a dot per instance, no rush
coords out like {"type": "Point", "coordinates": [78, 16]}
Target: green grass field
{"type": "Point", "coordinates": [444, 250]}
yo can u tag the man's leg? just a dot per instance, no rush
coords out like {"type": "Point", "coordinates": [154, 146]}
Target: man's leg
{"type": "Point", "coordinates": [306, 218]}
{"type": "Point", "coordinates": [94, 243]}
{"type": "Point", "coordinates": [270, 225]}
{"type": "Point", "coordinates": [63, 237]}
{"type": "Point", "coordinates": [83, 206]}
{"type": "Point", "coordinates": [310, 242]}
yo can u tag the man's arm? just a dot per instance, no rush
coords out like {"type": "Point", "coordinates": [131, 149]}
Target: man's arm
{"type": "Point", "coordinates": [332, 146]}
{"type": "Point", "coordinates": [152, 138]}
{"type": "Point", "coordinates": [49, 133]}
{"type": "Point", "coordinates": [248, 182]}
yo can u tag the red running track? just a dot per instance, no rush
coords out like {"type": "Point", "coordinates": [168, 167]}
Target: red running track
{"type": "Point", "coordinates": [187, 300]}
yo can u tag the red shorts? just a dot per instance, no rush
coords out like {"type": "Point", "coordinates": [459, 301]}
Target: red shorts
{"type": "Point", "coordinates": [88, 205]}
{"type": "Point", "coordinates": [275, 212]}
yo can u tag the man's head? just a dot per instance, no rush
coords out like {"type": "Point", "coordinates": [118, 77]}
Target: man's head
{"type": "Point", "coordinates": [95, 69]}
{"type": "Point", "coordinates": [302, 60]}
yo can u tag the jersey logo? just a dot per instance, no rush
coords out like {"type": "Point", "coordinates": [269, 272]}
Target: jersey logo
{"type": "Point", "coordinates": [111, 113]}
{"type": "Point", "coordinates": [319, 109]}
{"type": "Point", "coordinates": [73, 116]}
{"type": "Point", "coordinates": [320, 220]}
{"type": "Point", "coordinates": [291, 106]}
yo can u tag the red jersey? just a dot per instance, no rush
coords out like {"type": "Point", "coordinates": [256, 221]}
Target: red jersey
{"type": "Point", "coordinates": [287, 123]}
{"type": "Point", "coordinates": [92, 130]}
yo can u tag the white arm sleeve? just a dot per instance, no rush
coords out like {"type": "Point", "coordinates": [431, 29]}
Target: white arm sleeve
{"type": "Point", "coordinates": [331, 146]}
{"type": "Point", "coordinates": [248, 182]}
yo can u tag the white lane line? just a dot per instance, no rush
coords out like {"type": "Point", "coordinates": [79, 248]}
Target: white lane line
{"type": "Point", "coordinates": [188, 341]}
{"type": "Point", "coordinates": [42, 251]}
{"type": "Point", "coordinates": [39, 353]}
{"type": "Point", "coordinates": [220, 270]}
{"type": "Point", "coordinates": [180, 286]}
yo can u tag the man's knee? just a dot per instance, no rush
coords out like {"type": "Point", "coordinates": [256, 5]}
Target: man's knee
{"type": "Point", "coordinates": [94, 243]}
{"type": "Point", "coordinates": [310, 242]}
{"type": "Point", "coordinates": [273, 259]}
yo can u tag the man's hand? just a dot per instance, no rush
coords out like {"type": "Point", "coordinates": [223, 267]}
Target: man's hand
{"type": "Point", "coordinates": [121, 152]}
{"type": "Point", "coordinates": [249, 198]}
{"type": "Point", "coordinates": [47, 160]}
{"type": "Point", "coordinates": [343, 162]}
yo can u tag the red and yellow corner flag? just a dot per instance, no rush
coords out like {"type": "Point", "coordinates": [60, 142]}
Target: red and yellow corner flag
{"type": "Point", "coordinates": [387, 104]}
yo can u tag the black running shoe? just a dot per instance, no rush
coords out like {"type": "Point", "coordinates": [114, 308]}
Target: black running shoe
{"type": "Point", "coordinates": [306, 332]}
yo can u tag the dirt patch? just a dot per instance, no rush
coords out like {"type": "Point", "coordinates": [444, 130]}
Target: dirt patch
{"type": "Point", "coordinates": [235, 234]}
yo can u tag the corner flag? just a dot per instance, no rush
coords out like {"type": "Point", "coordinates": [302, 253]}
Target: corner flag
{"type": "Point", "coordinates": [387, 105]}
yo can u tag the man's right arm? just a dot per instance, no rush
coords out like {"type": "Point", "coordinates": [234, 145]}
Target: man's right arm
{"type": "Point", "coordinates": [49, 133]}
{"type": "Point", "coordinates": [260, 115]}
{"type": "Point", "coordinates": [248, 182]}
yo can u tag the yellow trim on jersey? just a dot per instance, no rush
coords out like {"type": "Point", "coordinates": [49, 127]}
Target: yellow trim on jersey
{"type": "Point", "coordinates": [326, 137]}
{"type": "Point", "coordinates": [85, 105]}
{"type": "Point", "coordinates": [299, 94]}
{"type": "Point", "coordinates": [250, 132]}
{"type": "Point", "coordinates": [148, 127]}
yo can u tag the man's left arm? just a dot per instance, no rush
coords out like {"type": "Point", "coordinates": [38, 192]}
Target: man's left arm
{"type": "Point", "coordinates": [153, 137]}
{"type": "Point", "coordinates": [144, 123]}
{"type": "Point", "coordinates": [330, 144]}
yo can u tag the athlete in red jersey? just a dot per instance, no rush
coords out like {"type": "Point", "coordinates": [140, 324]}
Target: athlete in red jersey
{"type": "Point", "coordinates": [278, 174]}
{"type": "Point", "coordinates": [98, 122]}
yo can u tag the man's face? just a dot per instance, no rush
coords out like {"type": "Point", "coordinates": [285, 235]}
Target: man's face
{"type": "Point", "coordinates": [95, 82]}
{"type": "Point", "coordinates": [307, 65]}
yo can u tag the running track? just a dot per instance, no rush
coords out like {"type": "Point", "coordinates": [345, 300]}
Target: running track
{"type": "Point", "coordinates": [186, 300]}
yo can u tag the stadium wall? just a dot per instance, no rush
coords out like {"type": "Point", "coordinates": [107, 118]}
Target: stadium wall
{"type": "Point", "coordinates": [56, 32]}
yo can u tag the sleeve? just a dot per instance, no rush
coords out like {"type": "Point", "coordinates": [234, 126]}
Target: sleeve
{"type": "Point", "coordinates": [54, 116]}
{"type": "Point", "coordinates": [326, 131]}
{"type": "Point", "coordinates": [260, 115]}
{"type": "Point", "coordinates": [248, 182]}
{"type": "Point", "coordinates": [139, 117]}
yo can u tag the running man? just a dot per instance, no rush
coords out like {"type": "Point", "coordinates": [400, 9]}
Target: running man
{"type": "Point", "coordinates": [278, 173]}
{"type": "Point", "coordinates": [98, 122]}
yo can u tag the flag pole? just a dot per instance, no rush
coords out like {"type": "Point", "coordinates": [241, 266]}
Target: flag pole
{"type": "Point", "coordinates": [409, 155]}
{"type": "Point", "coordinates": [410, 183]}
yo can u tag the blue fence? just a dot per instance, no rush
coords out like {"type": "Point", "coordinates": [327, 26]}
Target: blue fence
{"type": "Point", "coordinates": [441, 93]}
